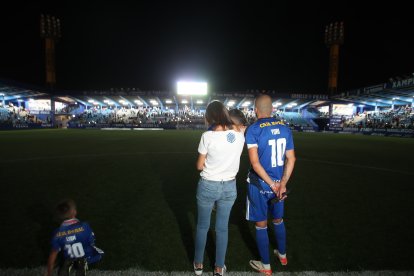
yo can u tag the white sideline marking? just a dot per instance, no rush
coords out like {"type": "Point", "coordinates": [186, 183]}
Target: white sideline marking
{"type": "Point", "coordinates": [136, 272]}
{"type": "Point", "coordinates": [97, 155]}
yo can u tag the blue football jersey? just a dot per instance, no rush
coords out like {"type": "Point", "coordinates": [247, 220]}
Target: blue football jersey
{"type": "Point", "coordinates": [272, 139]}
{"type": "Point", "coordinates": [76, 240]}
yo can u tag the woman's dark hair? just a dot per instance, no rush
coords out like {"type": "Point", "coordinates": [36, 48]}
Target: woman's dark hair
{"type": "Point", "coordinates": [237, 116]}
{"type": "Point", "coordinates": [217, 115]}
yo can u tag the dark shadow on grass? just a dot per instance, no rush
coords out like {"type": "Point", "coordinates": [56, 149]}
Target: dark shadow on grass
{"type": "Point", "coordinates": [179, 186]}
{"type": "Point", "coordinates": [238, 217]}
{"type": "Point", "coordinates": [41, 218]}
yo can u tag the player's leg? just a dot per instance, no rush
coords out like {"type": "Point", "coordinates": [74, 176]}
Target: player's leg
{"type": "Point", "coordinates": [81, 266]}
{"type": "Point", "coordinates": [256, 211]}
{"type": "Point", "coordinates": [65, 268]}
{"type": "Point", "coordinates": [277, 210]}
{"type": "Point", "coordinates": [206, 196]}
{"type": "Point", "coordinates": [224, 205]}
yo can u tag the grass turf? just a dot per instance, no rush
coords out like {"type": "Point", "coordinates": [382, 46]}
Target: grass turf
{"type": "Point", "coordinates": [350, 207]}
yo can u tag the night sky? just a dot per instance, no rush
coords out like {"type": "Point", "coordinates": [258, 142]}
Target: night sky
{"type": "Point", "coordinates": [234, 45]}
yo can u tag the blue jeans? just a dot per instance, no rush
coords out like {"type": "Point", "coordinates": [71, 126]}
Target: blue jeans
{"type": "Point", "coordinates": [224, 193]}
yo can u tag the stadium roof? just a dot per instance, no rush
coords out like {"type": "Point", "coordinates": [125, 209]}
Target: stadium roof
{"type": "Point", "coordinates": [386, 94]}
{"type": "Point", "coordinates": [14, 90]}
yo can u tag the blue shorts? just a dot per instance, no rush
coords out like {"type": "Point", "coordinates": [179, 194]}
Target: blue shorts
{"type": "Point", "coordinates": [259, 204]}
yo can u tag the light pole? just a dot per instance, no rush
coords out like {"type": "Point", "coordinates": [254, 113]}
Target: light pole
{"type": "Point", "coordinates": [50, 31]}
{"type": "Point", "coordinates": [334, 37]}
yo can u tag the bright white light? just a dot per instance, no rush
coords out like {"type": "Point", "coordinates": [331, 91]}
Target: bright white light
{"type": "Point", "coordinates": [199, 101]}
{"type": "Point", "coordinates": [184, 102]}
{"type": "Point", "coordinates": [153, 102]}
{"type": "Point", "coordinates": [73, 115]}
{"type": "Point", "coordinates": [361, 105]}
{"type": "Point", "coordinates": [294, 104]}
{"type": "Point", "coordinates": [289, 106]}
{"type": "Point", "coordinates": [31, 100]}
{"type": "Point", "coordinates": [106, 101]}
{"type": "Point", "coordinates": [2, 94]}
{"type": "Point", "coordinates": [191, 88]}
{"type": "Point", "coordinates": [277, 104]}
{"type": "Point", "coordinates": [90, 101]}
{"type": "Point", "coordinates": [230, 103]}
{"type": "Point", "coordinates": [350, 104]}
{"type": "Point", "coordinates": [20, 101]}
{"type": "Point", "coordinates": [168, 101]}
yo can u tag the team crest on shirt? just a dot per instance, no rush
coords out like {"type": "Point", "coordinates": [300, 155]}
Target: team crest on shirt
{"type": "Point", "coordinates": [231, 137]}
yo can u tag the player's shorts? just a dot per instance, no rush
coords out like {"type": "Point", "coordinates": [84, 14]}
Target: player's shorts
{"type": "Point", "coordinates": [259, 204]}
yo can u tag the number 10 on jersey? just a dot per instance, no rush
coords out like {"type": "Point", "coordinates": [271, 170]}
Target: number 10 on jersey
{"type": "Point", "coordinates": [278, 151]}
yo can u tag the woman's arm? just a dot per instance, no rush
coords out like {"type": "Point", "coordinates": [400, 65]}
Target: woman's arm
{"type": "Point", "coordinates": [200, 161]}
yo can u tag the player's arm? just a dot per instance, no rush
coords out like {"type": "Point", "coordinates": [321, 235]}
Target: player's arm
{"type": "Point", "coordinates": [290, 160]}
{"type": "Point", "coordinates": [51, 262]}
{"type": "Point", "coordinates": [200, 161]}
{"type": "Point", "coordinates": [258, 168]}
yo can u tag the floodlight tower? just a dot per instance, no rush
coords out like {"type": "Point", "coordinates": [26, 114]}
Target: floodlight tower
{"type": "Point", "coordinates": [334, 37]}
{"type": "Point", "coordinates": [51, 32]}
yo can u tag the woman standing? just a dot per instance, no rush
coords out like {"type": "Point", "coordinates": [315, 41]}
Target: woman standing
{"type": "Point", "coordinates": [219, 159]}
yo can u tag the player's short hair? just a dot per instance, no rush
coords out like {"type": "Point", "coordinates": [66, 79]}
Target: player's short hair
{"type": "Point", "coordinates": [64, 208]}
{"type": "Point", "coordinates": [237, 116]}
{"type": "Point", "coordinates": [217, 114]}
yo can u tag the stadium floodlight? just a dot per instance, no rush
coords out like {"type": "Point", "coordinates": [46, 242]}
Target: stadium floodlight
{"type": "Point", "coordinates": [199, 102]}
{"type": "Point", "coordinates": [230, 103]}
{"type": "Point", "coordinates": [90, 101]}
{"type": "Point", "coordinates": [246, 103]}
{"type": "Point", "coordinates": [191, 88]}
{"type": "Point", "coordinates": [168, 101]}
{"type": "Point", "coordinates": [184, 102]}
{"type": "Point", "coordinates": [289, 106]}
{"type": "Point", "coordinates": [294, 104]}
{"type": "Point", "coordinates": [153, 102]}
{"type": "Point", "coordinates": [106, 101]}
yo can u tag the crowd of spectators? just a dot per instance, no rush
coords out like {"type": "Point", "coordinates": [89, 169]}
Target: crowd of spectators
{"type": "Point", "coordinates": [400, 118]}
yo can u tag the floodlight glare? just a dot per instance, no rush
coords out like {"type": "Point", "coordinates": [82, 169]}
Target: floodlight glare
{"type": "Point", "coordinates": [230, 103]}
{"type": "Point", "coordinates": [191, 88]}
{"type": "Point", "coordinates": [184, 101]}
{"type": "Point", "coordinates": [168, 101]}
{"type": "Point", "coordinates": [90, 101]}
{"type": "Point", "coordinates": [199, 101]}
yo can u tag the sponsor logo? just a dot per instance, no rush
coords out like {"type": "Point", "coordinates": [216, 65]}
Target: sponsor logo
{"type": "Point", "coordinates": [275, 131]}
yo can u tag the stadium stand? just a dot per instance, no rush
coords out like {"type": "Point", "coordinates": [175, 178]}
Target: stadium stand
{"type": "Point", "coordinates": [384, 107]}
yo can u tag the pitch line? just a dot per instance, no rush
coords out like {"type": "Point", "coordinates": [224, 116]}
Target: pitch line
{"type": "Point", "coordinates": [139, 272]}
{"type": "Point", "coordinates": [98, 155]}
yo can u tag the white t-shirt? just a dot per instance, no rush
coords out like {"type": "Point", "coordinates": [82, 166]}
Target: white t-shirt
{"type": "Point", "coordinates": [223, 149]}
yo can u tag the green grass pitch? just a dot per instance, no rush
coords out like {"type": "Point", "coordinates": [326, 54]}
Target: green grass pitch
{"type": "Point", "coordinates": [351, 206]}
